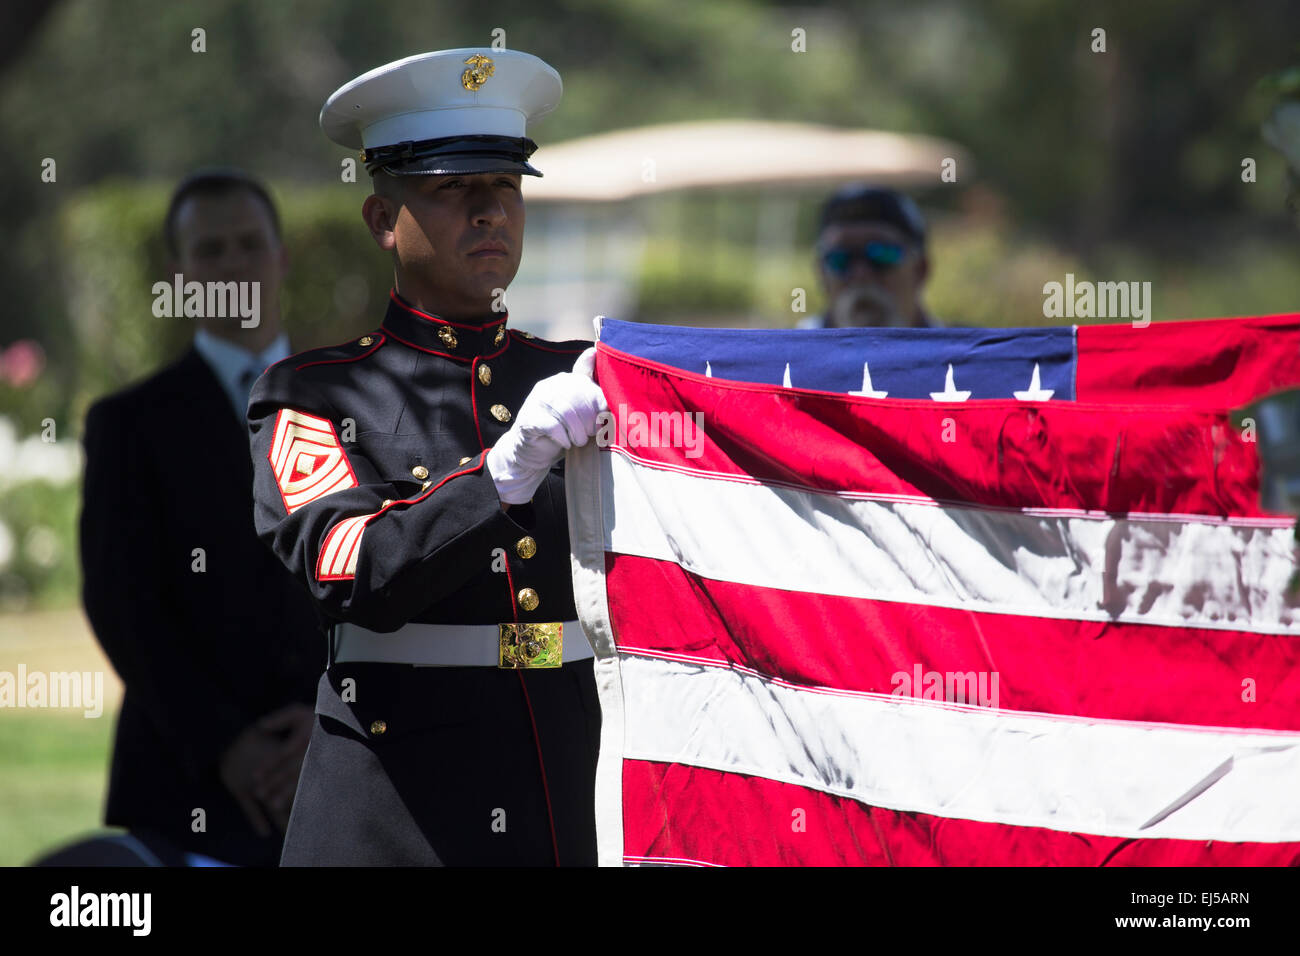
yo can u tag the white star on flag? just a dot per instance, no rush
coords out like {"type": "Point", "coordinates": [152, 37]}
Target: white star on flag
{"type": "Point", "coordinates": [867, 391]}
{"type": "Point", "coordinates": [1035, 392]}
{"type": "Point", "coordinates": [949, 393]}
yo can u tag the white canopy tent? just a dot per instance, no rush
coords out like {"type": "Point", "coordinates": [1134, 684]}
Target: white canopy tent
{"type": "Point", "coordinates": [727, 153]}
{"type": "Point", "coordinates": [587, 213]}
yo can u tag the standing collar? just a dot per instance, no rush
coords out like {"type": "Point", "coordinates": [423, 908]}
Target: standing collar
{"type": "Point", "coordinates": [431, 333]}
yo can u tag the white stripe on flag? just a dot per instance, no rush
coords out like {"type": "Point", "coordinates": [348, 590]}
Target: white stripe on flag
{"type": "Point", "coordinates": [1184, 573]}
{"type": "Point", "coordinates": [582, 487]}
{"type": "Point", "coordinates": [1108, 778]}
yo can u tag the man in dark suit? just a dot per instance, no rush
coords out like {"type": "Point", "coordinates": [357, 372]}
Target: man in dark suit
{"type": "Point", "coordinates": [218, 648]}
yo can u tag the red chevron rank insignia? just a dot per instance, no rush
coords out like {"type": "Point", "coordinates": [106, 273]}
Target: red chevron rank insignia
{"type": "Point", "coordinates": [307, 459]}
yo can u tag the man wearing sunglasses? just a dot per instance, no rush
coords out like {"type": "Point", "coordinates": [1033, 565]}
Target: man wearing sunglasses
{"type": "Point", "coordinates": [872, 261]}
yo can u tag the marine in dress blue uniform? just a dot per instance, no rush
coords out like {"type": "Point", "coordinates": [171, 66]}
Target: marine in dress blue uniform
{"type": "Point", "coordinates": [457, 722]}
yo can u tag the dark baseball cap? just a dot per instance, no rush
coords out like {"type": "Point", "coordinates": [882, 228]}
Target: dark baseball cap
{"type": "Point", "coordinates": [863, 203]}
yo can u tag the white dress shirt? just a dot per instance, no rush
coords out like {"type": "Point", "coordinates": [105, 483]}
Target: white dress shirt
{"type": "Point", "coordinates": [237, 368]}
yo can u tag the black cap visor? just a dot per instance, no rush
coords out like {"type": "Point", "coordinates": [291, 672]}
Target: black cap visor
{"type": "Point", "coordinates": [454, 155]}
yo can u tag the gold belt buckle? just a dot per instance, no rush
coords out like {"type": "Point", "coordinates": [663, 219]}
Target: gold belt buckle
{"type": "Point", "coordinates": [531, 645]}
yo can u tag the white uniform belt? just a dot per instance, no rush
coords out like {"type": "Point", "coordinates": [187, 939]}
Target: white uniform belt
{"type": "Point", "coordinates": [440, 645]}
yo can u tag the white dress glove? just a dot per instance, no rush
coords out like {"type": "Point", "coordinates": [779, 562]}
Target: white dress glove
{"type": "Point", "coordinates": [560, 412]}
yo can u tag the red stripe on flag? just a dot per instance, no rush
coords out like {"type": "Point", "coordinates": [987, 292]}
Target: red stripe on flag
{"type": "Point", "coordinates": [1111, 671]}
{"type": "Point", "coordinates": [1214, 363]}
{"type": "Point", "coordinates": [708, 816]}
{"type": "Point", "coordinates": [992, 453]}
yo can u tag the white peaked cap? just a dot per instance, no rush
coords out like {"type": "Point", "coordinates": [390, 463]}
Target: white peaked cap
{"type": "Point", "coordinates": [449, 94]}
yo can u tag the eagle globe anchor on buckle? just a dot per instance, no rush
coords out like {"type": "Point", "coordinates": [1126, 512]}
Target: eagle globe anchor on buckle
{"type": "Point", "coordinates": [531, 646]}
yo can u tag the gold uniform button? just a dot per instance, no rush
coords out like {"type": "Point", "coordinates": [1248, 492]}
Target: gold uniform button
{"type": "Point", "coordinates": [365, 340]}
{"type": "Point", "coordinates": [466, 460]}
{"type": "Point", "coordinates": [447, 336]}
{"type": "Point", "coordinates": [500, 413]}
{"type": "Point", "coordinates": [425, 486]}
{"type": "Point", "coordinates": [485, 375]}
{"type": "Point", "coordinates": [528, 599]}
{"type": "Point", "coordinates": [420, 472]}
{"type": "Point", "coordinates": [387, 502]}
{"type": "Point", "coordinates": [500, 336]}
{"type": "Point", "coordinates": [526, 547]}
{"type": "Point", "coordinates": [378, 727]}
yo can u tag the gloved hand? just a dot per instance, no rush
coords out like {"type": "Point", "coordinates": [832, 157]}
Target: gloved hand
{"type": "Point", "coordinates": [560, 412]}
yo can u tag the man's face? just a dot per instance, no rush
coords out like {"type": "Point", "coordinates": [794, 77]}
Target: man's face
{"type": "Point", "coordinates": [229, 237]}
{"type": "Point", "coordinates": [457, 239]}
{"type": "Point", "coordinates": [866, 294]}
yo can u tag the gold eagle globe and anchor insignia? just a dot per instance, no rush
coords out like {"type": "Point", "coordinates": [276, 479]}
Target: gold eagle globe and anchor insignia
{"type": "Point", "coordinates": [480, 68]}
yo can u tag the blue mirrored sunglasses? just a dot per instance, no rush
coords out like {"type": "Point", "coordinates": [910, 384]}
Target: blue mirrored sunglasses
{"type": "Point", "coordinates": [879, 255]}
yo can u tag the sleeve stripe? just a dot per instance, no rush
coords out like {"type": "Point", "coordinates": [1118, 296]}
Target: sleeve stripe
{"type": "Point", "coordinates": [339, 543]}
{"type": "Point", "coordinates": [342, 547]}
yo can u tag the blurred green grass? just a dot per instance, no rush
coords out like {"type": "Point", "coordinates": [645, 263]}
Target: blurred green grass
{"type": "Point", "coordinates": [53, 762]}
{"type": "Point", "coordinates": [54, 765]}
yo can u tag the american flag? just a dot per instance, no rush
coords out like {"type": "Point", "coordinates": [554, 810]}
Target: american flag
{"type": "Point", "coordinates": [909, 597]}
